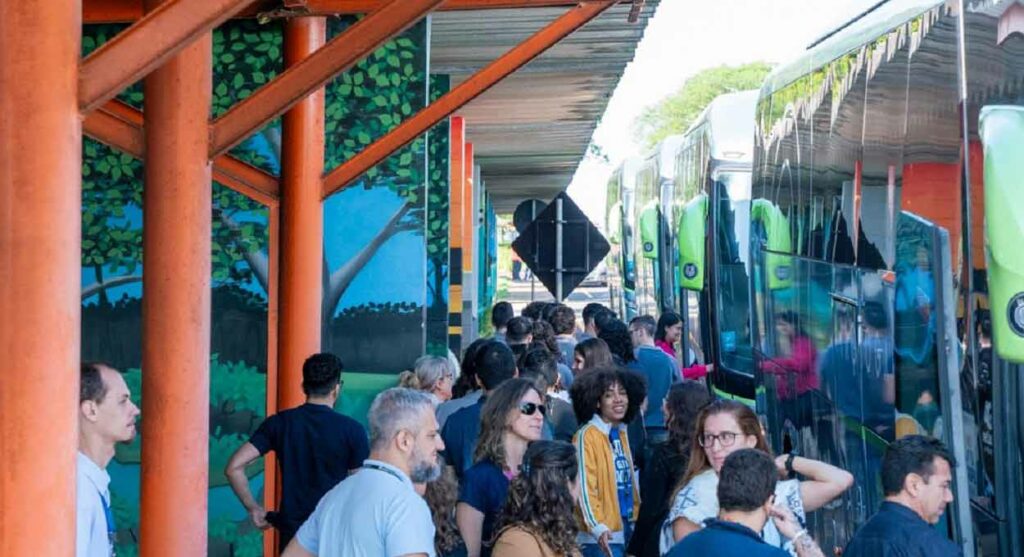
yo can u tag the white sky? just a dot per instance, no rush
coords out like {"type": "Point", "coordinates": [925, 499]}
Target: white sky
{"type": "Point", "coordinates": [685, 37]}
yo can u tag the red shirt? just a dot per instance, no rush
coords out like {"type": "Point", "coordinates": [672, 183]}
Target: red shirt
{"type": "Point", "coordinates": [695, 371]}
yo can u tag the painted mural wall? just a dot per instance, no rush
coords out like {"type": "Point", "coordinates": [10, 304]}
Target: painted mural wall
{"type": "Point", "coordinates": [374, 229]}
{"type": "Point", "coordinates": [438, 197]}
{"type": "Point", "coordinates": [375, 253]}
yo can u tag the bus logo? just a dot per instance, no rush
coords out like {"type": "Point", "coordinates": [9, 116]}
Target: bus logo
{"type": "Point", "coordinates": [782, 272]}
{"type": "Point", "coordinates": [1015, 314]}
{"type": "Point", "coordinates": [689, 271]}
{"type": "Point", "coordinates": [648, 247]}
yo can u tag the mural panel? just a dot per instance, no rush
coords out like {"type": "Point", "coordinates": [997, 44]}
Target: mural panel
{"type": "Point", "coordinates": [246, 55]}
{"type": "Point", "coordinates": [375, 293]}
{"type": "Point", "coordinates": [437, 226]}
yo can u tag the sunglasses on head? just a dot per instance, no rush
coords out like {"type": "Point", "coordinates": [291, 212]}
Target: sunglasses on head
{"type": "Point", "coordinates": [529, 408]}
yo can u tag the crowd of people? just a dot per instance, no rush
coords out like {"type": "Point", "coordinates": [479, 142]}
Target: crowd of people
{"type": "Point", "coordinates": [542, 441]}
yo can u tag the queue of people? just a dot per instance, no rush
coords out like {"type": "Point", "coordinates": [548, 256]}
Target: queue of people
{"type": "Point", "coordinates": [501, 455]}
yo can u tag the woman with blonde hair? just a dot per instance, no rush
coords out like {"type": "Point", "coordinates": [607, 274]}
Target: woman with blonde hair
{"type": "Point", "coordinates": [432, 374]}
{"type": "Point", "coordinates": [724, 427]}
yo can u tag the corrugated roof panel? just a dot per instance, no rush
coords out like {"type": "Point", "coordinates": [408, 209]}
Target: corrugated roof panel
{"type": "Point", "coordinates": [531, 131]}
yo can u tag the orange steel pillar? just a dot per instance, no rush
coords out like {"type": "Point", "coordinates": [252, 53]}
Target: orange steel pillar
{"type": "Point", "coordinates": [456, 177]}
{"type": "Point", "coordinates": [302, 164]}
{"type": "Point", "coordinates": [470, 327]}
{"type": "Point", "coordinates": [40, 255]}
{"type": "Point", "coordinates": [176, 304]}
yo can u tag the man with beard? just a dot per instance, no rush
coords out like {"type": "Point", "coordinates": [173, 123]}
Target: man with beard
{"type": "Point", "coordinates": [376, 511]}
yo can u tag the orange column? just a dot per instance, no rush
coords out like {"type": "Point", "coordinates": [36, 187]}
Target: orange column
{"type": "Point", "coordinates": [40, 254]}
{"type": "Point", "coordinates": [302, 163]}
{"type": "Point", "coordinates": [456, 177]}
{"type": "Point", "coordinates": [470, 327]}
{"type": "Point", "coordinates": [176, 305]}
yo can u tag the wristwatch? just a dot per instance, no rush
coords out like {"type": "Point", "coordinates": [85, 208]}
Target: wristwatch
{"type": "Point", "coordinates": [789, 464]}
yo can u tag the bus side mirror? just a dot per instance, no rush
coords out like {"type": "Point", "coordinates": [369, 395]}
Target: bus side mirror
{"type": "Point", "coordinates": [778, 265]}
{"type": "Point", "coordinates": [691, 236]}
{"type": "Point", "coordinates": [649, 230]}
{"type": "Point", "coordinates": [1002, 136]}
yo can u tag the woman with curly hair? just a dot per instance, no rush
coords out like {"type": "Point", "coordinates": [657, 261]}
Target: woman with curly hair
{"type": "Point", "coordinates": [620, 342]}
{"type": "Point", "coordinates": [537, 520]}
{"type": "Point", "coordinates": [668, 461]}
{"type": "Point", "coordinates": [511, 417]}
{"type": "Point", "coordinates": [724, 427]}
{"type": "Point", "coordinates": [605, 400]}
{"type": "Point", "coordinates": [441, 495]}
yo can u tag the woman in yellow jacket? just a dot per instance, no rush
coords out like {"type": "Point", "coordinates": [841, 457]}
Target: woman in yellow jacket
{"type": "Point", "coordinates": [605, 400]}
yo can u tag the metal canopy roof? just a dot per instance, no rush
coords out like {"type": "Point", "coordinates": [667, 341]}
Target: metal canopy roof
{"type": "Point", "coordinates": [531, 131]}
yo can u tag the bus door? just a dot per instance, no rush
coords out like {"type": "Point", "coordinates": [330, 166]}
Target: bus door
{"type": "Point", "coordinates": [1001, 130]}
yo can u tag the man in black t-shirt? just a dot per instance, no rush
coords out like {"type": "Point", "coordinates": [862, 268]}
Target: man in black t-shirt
{"type": "Point", "coordinates": [316, 448]}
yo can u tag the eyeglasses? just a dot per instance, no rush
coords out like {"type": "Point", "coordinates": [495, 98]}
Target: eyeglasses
{"type": "Point", "coordinates": [726, 439]}
{"type": "Point", "coordinates": [529, 408]}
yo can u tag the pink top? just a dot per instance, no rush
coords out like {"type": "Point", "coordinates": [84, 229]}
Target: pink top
{"type": "Point", "coordinates": [695, 371]}
{"type": "Point", "coordinates": [802, 363]}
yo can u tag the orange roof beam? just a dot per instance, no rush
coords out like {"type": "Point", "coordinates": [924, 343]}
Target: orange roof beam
{"type": "Point", "coordinates": [121, 127]}
{"type": "Point", "coordinates": [145, 46]}
{"type": "Point", "coordinates": [466, 91]}
{"type": "Point", "coordinates": [298, 81]}
{"type": "Point", "coordinates": [122, 11]}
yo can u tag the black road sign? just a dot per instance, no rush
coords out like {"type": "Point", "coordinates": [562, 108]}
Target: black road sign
{"type": "Point", "coordinates": [582, 246]}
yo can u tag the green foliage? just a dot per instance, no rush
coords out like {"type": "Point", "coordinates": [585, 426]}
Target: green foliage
{"type": "Point", "coordinates": [371, 99]}
{"type": "Point", "coordinates": [674, 114]}
{"type": "Point", "coordinates": [246, 56]}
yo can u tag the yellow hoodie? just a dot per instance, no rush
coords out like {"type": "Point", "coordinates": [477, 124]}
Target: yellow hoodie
{"type": "Point", "coordinates": [598, 510]}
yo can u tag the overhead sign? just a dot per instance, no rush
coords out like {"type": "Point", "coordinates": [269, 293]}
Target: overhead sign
{"type": "Point", "coordinates": [561, 246]}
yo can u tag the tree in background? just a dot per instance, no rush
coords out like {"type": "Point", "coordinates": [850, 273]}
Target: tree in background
{"type": "Point", "coordinates": [674, 114]}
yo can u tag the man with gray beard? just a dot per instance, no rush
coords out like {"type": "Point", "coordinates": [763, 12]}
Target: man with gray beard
{"type": "Point", "coordinates": [376, 511]}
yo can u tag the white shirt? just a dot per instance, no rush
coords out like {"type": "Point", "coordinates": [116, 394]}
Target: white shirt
{"type": "Point", "coordinates": [373, 513]}
{"type": "Point", "coordinates": [698, 501]}
{"type": "Point", "coordinates": [91, 539]}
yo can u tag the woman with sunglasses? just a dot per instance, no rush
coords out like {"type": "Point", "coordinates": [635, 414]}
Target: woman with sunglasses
{"type": "Point", "coordinates": [511, 418]}
{"type": "Point", "coordinates": [724, 427]}
{"type": "Point", "coordinates": [537, 520]}
{"type": "Point", "coordinates": [605, 400]}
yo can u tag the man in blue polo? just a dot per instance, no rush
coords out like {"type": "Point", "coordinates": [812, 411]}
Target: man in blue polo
{"type": "Point", "coordinates": [660, 370]}
{"type": "Point", "coordinates": [746, 497]}
{"type": "Point", "coordinates": [917, 473]}
{"type": "Point", "coordinates": [315, 446]}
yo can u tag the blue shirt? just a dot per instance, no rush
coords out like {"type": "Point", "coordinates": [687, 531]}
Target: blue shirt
{"type": "Point", "coordinates": [897, 531]}
{"type": "Point", "coordinates": [485, 488]}
{"type": "Point", "coordinates": [315, 448]}
{"type": "Point", "coordinates": [460, 433]}
{"type": "Point", "coordinates": [724, 539]}
{"type": "Point", "coordinates": [375, 512]}
{"type": "Point", "coordinates": [661, 372]}
{"type": "Point", "coordinates": [623, 475]}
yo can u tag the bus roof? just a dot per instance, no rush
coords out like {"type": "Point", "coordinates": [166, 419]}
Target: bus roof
{"type": "Point", "coordinates": [731, 120]}
{"type": "Point", "coordinates": [866, 27]}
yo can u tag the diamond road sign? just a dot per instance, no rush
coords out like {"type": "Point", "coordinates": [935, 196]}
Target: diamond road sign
{"type": "Point", "coordinates": [583, 246]}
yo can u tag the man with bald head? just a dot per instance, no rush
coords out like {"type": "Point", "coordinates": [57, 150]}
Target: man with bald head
{"type": "Point", "coordinates": [106, 416]}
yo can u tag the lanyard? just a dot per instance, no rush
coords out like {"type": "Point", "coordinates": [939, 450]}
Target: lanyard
{"type": "Point", "coordinates": [386, 470]}
{"type": "Point", "coordinates": [111, 529]}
